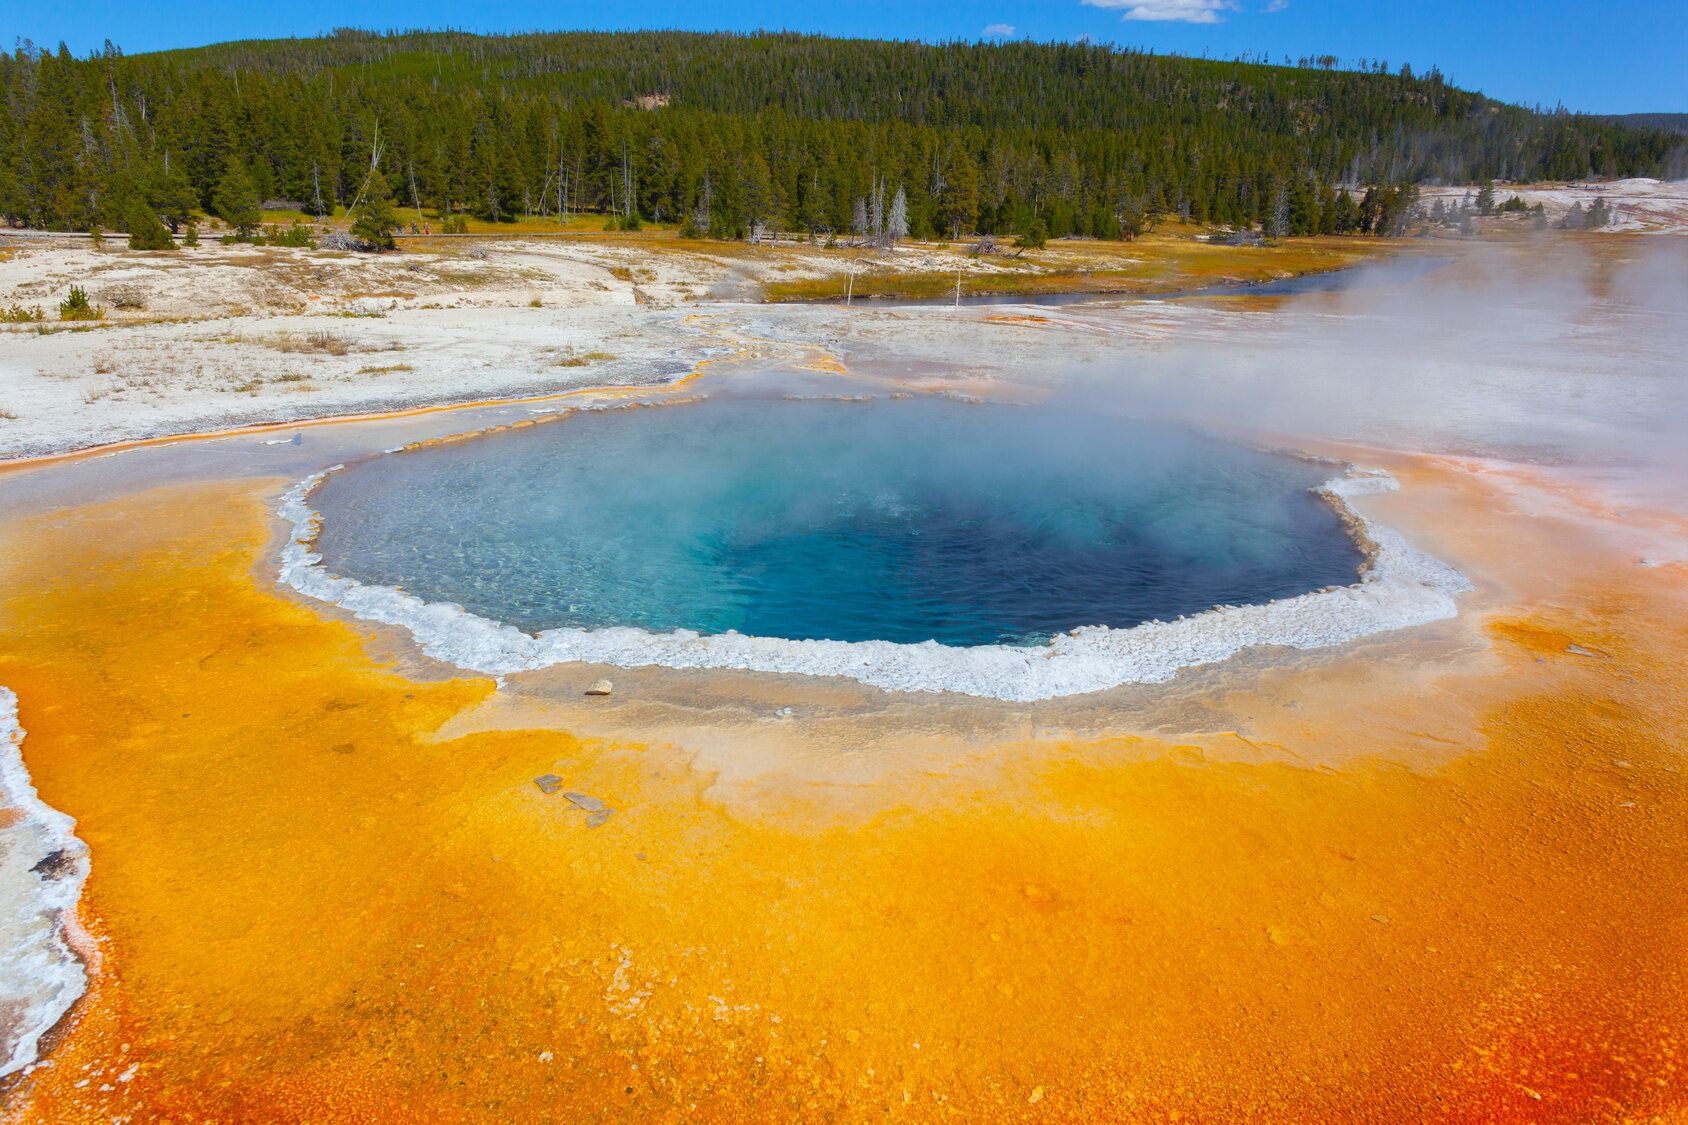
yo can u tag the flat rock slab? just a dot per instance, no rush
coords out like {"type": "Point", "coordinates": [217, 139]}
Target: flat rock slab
{"type": "Point", "coordinates": [548, 783]}
{"type": "Point", "coordinates": [602, 687]}
{"type": "Point", "coordinates": [590, 804]}
{"type": "Point", "coordinates": [598, 816]}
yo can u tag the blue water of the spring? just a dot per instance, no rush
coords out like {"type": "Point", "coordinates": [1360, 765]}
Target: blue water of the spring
{"type": "Point", "coordinates": [897, 519]}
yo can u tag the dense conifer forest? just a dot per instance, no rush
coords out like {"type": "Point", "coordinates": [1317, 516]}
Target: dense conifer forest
{"type": "Point", "coordinates": [1669, 122]}
{"type": "Point", "coordinates": [730, 133]}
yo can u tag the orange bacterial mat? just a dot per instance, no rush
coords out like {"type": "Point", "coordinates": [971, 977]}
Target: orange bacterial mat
{"type": "Point", "coordinates": [312, 909]}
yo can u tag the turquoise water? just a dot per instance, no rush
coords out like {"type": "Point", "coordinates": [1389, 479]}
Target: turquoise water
{"type": "Point", "coordinates": [901, 520]}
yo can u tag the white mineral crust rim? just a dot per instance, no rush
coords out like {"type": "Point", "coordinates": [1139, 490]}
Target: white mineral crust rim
{"type": "Point", "coordinates": [1399, 587]}
{"type": "Point", "coordinates": [41, 974]}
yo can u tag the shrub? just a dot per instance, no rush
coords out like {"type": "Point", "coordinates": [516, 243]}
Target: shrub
{"type": "Point", "coordinates": [190, 237]}
{"type": "Point", "coordinates": [295, 235]}
{"type": "Point", "coordinates": [689, 228]}
{"type": "Point", "coordinates": [76, 306]}
{"type": "Point", "coordinates": [17, 314]}
{"type": "Point", "coordinates": [1035, 238]}
{"type": "Point", "coordinates": [454, 224]}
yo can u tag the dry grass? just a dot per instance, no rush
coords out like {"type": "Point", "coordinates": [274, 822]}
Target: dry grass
{"type": "Point", "coordinates": [466, 280]}
{"type": "Point", "coordinates": [321, 342]}
{"type": "Point", "coordinates": [582, 360]}
{"type": "Point", "coordinates": [385, 370]}
{"type": "Point", "coordinates": [1160, 262]}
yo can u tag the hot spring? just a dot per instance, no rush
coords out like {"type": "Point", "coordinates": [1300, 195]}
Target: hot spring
{"type": "Point", "coordinates": [895, 520]}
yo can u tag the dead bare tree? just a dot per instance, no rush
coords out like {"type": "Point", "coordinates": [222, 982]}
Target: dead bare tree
{"type": "Point", "coordinates": [375, 151]}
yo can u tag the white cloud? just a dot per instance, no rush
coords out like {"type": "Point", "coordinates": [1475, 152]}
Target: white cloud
{"type": "Point", "coordinates": [1000, 29]}
{"type": "Point", "coordinates": [1277, 5]}
{"type": "Point", "coordinates": [1175, 11]}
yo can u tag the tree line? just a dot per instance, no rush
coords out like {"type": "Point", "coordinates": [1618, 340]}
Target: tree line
{"type": "Point", "coordinates": [730, 134]}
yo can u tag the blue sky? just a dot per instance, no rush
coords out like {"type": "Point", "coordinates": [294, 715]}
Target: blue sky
{"type": "Point", "coordinates": [1597, 58]}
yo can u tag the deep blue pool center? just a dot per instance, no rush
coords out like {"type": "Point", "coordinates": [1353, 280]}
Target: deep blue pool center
{"type": "Point", "coordinates": [898, 519]}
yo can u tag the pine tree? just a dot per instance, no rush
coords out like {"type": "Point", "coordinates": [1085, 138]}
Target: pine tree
{"type": "Point", "coordinates": [376, 220]}
{"type": "Point", "coordinates": [145, 231]}
{"type": "Point", "coordinates": [170, 192]}
{"type": "Point", "coordinates": [236, 200]}
{"type": "Point", "coordinates": [1369, 206]}
{"type": "Point", "coordinates": [959, 200]}
{"type": "Point", "coordinates": [1347, 213]}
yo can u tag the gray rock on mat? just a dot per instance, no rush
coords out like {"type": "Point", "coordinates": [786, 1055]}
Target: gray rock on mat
{"type": "Point", "coordinates": [590, 804]}
{"type": "Point", "coordinates": [548, 783]}
{"type": "Point", "coordinates": [602, 687]}
{"type": "Point", "coordinates": [598, 816]}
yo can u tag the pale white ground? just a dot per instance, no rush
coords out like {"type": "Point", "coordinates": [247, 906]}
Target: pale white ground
{"type": "Point", "coordinates": [218, 337]}
{"type": "Point", "coordinates": [1640, 205]}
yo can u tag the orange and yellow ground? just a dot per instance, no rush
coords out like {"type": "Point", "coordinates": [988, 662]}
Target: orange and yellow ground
{"type": "Point", "coordinates": [313, 907]}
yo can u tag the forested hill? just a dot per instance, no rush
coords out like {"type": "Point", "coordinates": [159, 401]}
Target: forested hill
{"type": "Point", "coordinates": [1669, 122]}
{"type": "Point", "coordinates": [781, 130]}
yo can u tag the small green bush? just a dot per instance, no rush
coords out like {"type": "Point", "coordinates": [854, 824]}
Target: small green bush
{"type": "Point", "coordinates": [17, 314]}
{"type": "Point", "coordinates": [295, 236]}
{"type": "Point", "coordinates": [1035, 238]}
{"type": "Point", "coordinates": [76, 306]}
{"type": "Point", "coordinates": [454, 224]}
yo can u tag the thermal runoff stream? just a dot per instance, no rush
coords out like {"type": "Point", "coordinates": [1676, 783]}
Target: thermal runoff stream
{"type": "Point", "coordinates": [900, 520]}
